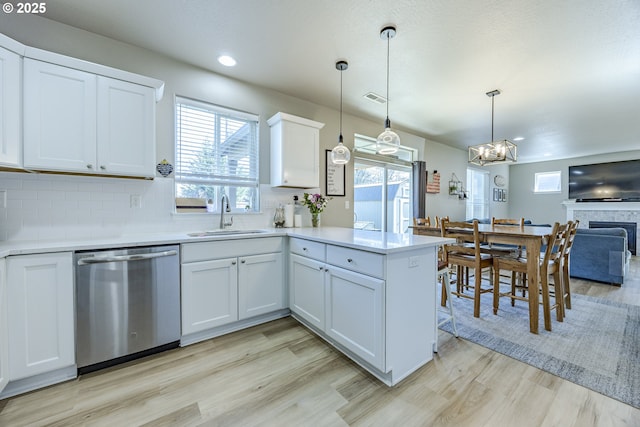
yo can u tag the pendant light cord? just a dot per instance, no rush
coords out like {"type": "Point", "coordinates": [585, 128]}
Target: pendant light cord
{"type": "Point", "coordinates": [340, 138]}
{"type": "Point", "coordinates": [492, 98]}
{"type": "Point", "coordinates": [388, 41]}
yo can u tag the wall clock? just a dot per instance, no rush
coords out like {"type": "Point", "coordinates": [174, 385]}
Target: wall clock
{"type": "Point", "coordinates": [499, 180]}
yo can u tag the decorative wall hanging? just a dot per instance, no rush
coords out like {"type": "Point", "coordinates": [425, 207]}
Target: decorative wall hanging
{"type": "Point", "coordinates": [335, 179]}
{"type": "Point", "coordinates": [433, 185]}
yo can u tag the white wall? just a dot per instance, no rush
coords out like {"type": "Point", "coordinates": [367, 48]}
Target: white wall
{"type": "Point", "coordinates": [31, 211]}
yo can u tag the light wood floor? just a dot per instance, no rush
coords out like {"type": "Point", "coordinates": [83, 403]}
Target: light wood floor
{"type": "Point", "coordinates": [281, 374]}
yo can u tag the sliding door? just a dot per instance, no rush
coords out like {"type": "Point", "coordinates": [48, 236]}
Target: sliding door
{"type": "Point", "coordinates": [382, 196]}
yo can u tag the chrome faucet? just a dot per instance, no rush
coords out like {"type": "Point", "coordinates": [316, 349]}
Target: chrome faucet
{"type": "Point", "coordinates": [224, 206]}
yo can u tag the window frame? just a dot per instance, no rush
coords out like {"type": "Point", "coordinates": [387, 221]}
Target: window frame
{"type": "Point", "coordinates": [219, 183]}
{"type": "Point", "coordinates": [538, 175]}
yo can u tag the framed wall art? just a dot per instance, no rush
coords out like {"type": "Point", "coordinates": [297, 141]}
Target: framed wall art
{"type": "Point", "coordinates": [335, 177]}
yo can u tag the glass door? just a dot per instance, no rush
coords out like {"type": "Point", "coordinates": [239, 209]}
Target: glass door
{"type": "Point", "coordinates": [382, 196]}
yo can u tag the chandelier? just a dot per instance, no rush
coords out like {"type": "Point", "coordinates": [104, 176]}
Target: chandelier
{"type": "Point", "coordinates": [493, 152]}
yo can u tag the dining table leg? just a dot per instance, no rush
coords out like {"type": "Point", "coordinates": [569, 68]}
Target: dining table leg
{"type": "Point", "coordinates": [533, 246]}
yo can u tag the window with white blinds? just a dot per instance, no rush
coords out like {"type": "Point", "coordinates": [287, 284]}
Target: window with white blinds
{"type": "Point", "coordinates": [216, 154]}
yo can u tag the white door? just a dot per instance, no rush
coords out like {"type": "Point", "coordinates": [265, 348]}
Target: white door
{"type": "Point", "coordinates": [4, 338]}
{"type": "Point", "coordinates": [260, 285]}
{"type": "Point", "coordinates": [355, 316]}
{"type": "Point", "coordinates": [10, 109]}
{"type": "Point", "coordinates": [306, 283]}
{"type": "Point", "coordinates": [59, 118]}
{"type": "Point", "coordinates": [41, 313]}
{"type": "Point", "coordinates": [126, 128]}
{"type": "Point", "coordinates": [209, 294]}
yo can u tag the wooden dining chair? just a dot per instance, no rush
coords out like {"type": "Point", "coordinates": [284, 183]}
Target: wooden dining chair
{"type": "Point", "coordinates": [437, 220]}
{"type": "Point", "coordinates": [566, 281]}
{"type": "Point", "coordinates": [507, 221]}
{"type": "Point", "coordinates": [547, 266]}
{"type": "Point", "coordinates": [465, 253]}
{"type": "Point", "coordinates": [425, 222]}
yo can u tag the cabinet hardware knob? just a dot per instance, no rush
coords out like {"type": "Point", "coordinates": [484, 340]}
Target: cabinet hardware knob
{"type": "Point", "coordinates": [103, 167]}
{"type": "Point", "coordinates": [89, 166]}
{"type": "Point", "coordinates": [349, 260]}
{"type": "Point", "coordinates": [243, 261]}
{"type": "Point", "coordinates": [321, 268]}
{"type": "Point", "coordinates": [233, 263]}
{"type": "Point", "coordinates": [304, 249]}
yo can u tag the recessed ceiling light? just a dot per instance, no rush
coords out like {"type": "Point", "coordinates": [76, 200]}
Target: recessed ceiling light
{"type": "Point", "coordinates": [518, 138]}
{"type": "Point", "coordinates": [227, 61]}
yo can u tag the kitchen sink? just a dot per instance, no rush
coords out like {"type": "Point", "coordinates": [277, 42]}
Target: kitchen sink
{"type": "Point", "coordinates": [223, 233]}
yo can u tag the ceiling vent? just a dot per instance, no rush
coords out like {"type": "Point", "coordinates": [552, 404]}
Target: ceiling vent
{"type": "Point", "coordinates": [378, 99]}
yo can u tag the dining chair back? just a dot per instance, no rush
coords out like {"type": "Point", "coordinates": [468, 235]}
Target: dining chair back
{"type": "Point", "coordinates": [425, 222]}
{"type": "Point", "coordinates": [507, 221]}
{"type": "Point", "coordinates": [566, 281]}
{"type": "Point", "coordinates": [466, 253]}
{"type": "Point", "coordinates": [546, 267]}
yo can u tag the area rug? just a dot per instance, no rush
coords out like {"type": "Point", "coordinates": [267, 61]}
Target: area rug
{"type": "Point", "coordinates": [597, 346]}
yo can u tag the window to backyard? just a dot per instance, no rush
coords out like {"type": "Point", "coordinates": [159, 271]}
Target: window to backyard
{"type": "Point", "coordinates": [216, 154]}
{"type": "Point", "coordinates": [547, 182]}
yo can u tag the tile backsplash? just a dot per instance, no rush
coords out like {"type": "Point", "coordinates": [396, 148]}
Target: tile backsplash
{"type": "Point", "coordinates": [51, 207]}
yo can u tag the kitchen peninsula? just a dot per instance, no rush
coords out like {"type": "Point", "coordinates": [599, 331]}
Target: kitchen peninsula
{"type": "Point", "coordinates": [371, 295]}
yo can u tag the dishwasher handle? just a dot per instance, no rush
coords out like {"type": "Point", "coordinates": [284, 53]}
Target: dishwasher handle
{"type": "Point", "coordinates": [125, 258]}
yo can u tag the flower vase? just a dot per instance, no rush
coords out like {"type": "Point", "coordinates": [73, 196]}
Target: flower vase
{"type": "Point", "coordinates": [315, 219]}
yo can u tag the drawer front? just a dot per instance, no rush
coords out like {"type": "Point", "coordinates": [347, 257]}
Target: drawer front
{"type": "Point", "coordinates": [307, 248]}
{"type": "Point", "coordinates": [368, 263]}
{"type": "Point", "coordinates": [202, 251]}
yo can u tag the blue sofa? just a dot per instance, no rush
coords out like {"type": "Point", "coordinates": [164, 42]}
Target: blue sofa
{"type": "Point", "coordinates": [600, 254]}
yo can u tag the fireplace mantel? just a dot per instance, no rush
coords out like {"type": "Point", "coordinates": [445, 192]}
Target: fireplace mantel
{"type": "Point", "coordinates": [603, 211]}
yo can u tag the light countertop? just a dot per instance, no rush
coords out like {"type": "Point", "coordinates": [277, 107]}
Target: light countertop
{"type": "Point", "coordinates": [373, 241]}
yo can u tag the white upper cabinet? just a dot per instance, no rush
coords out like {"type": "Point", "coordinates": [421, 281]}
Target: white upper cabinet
{"type": "Point", "coordinates": [295, 152]}
{"type": "Point", "coordinates": [59, 118]}
{"type": "Point", "coordinates": [75, 121]}
{"type": "Point", "coordinates": [10, 109]}
{"type": "Point", "coordinates": [126, 128]}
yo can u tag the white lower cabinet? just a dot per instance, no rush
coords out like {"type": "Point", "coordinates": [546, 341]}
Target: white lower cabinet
{"type": "Point", "coordinates": [355, 313]}
{"type": "Point", "coordinates": [307, 289]}
{"type": "Point", "coordinates": [260, 284]}
{"type": "Point", "coordinates": [248, 282]}
{"type": "Point", "coordinates": [346, 305]}
{"type": "Point", "coordinates": [4, 347]}
{"type": "Point", "coordinates": [209, 294]}
{"type": "Point", "coordinates": [376, 308]}
{"type": "Point", "coordinates": [41, 313]}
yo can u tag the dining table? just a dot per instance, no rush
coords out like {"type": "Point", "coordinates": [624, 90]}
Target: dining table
{"type": "Point", "coordinates": [532, 238]}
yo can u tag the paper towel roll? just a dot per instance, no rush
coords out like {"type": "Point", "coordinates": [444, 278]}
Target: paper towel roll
{"type": "Point", "coordinates": [297, 221]}
{"type": "Point", "coordinates": [288, 215]}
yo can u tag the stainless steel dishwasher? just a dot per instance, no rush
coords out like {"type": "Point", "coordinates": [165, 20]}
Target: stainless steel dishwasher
{"type": "Point", "coordinates": [127, 304]}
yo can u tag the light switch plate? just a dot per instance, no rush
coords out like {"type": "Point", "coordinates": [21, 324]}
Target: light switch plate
{"type": "Point", "coordinates": [136, 201]}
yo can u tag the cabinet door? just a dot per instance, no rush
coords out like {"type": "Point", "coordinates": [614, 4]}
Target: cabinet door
{"type": "Point", "coordinates": [40, 313]}
{"type": "Point", "coordinates": [209, 294]}
{"type": "Point", "coordinates": [260, 284]}
{"type": "Point", "coordinates": [10, 109]}
{"type": "Point", "coordinates": [59, 118]}
{"type": "Point", "coordinates": [307, 293]}
{"type": "Point", "coordinates": [355, 316]}
{"type": "Point", "coordinates": [126, 128]}
{"type": "Point", "coordinates": [300, 155]}
{"type": "Point", "coordinates": [4, 338]}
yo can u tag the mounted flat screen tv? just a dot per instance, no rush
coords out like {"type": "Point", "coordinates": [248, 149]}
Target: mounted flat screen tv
{"type": "Point", "coordinates": [603, 182]}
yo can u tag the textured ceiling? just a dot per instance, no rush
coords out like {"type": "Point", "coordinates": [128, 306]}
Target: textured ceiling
{"type": "Point", "coordinates": [569, 70]}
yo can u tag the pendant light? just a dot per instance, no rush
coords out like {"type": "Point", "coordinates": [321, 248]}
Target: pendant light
{"type": "Point", "coordinates": [493, 152]}
{"type": "Point", "coordinates": [388, 141]}
{"type": "Point", "coordinates": [340, 154]}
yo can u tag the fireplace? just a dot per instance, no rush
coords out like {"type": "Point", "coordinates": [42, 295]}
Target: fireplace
{"type": "Point", "coordinates": [631, 228]}
{"type": "Point", "coordinates": [618, 212]}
